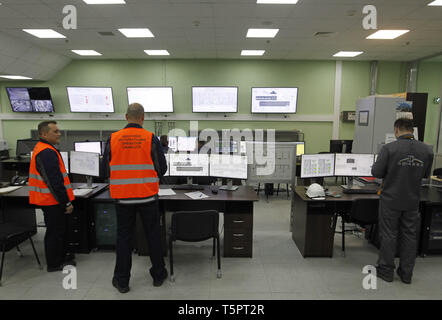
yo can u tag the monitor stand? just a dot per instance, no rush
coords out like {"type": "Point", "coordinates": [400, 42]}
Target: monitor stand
{"type": "Point", "coordinates": [229, 186]}
{"type": "Point", "coordinates": [88, 185]}
{"type": "Point", "coordinates": [189, 180]}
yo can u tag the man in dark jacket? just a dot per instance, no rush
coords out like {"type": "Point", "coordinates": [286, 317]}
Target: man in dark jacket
{"type": "Point", "coordinates": [402, 165]}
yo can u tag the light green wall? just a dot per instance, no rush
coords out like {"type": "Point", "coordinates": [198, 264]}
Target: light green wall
{"type": "Point", "coordinates": [430, 80]}
{"type": "Point", "coordinates": [315, 80]}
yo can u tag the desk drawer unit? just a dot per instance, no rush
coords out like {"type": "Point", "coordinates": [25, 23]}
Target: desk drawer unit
{"type": "Point", "coordinates": [238, 230]}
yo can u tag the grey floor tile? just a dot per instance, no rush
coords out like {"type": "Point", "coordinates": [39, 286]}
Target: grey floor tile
{"type": "Point", "coordinates": [237, 295]}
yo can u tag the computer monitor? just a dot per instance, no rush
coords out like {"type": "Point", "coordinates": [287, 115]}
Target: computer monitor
{"type": "Point", "coordinates": [173, 143]}
{"type": "Point", "coordinates": [353, 165]}
{"type": "Point", "coordinates": [25, 147]}
{"type": "Point", "coordinates": [90, 99]}
{"type": "Point", "coordinates": [35, 99]}
{"type": "Point", "coordinates": [341, 146]}
{"type": "Point", "coordinates": [228, 166]}
{"type": "Point", "coordinates": [243, 147]}
{"type": "Point", "coordinates": [274, 100]}
{"type": "Point", "coordinates": [153, 99]}
{"type": "Point", "coordinates": [85, 163]}
{"type": "Point", "coordinates": [187, 143]}
{"type": "Point", "coordinates": [300, 148]}
{"type": "Point", "coordinates": [65, 157]}
{"type": "Point", "coordinates": [214, 99]}
{"type": "Point", "coordinates": [189, 165]}
{"type": "Point", "coordinates": [317, 165]}
{"type": "Point", "coordinates": [88, 146]}
{"type": "Point", "coordinates": [226, 146]}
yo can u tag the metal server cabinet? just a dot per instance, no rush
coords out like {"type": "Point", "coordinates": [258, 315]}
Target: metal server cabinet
{"type": "Point", "coordinates": [375, 117]}
{"type": "Point", "coordinates": [431, 241]}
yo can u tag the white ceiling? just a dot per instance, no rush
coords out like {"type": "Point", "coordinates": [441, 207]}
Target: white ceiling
{"type": "Point", "coordinates": [223, 25]}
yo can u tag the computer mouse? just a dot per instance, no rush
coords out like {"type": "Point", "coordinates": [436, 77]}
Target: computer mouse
{"type": "Point", "coordinates": [214, 190]}
{"type": "Point", "coordinates": [338, 195]}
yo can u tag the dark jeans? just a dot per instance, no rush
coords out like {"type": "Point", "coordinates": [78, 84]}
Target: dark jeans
{"type": "Point", "coordinates": [150, 218]}
{"type": "Point", "coordinates": [56, 235]}
{"type": "Point", "coordinates": [397, 225]}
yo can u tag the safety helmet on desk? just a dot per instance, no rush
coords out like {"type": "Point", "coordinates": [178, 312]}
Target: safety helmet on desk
{"type": "Point", "coordinates": [315, 191]}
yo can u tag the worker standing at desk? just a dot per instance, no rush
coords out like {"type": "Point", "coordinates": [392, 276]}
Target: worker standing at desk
{"type": "Point", "coordinates": [402, 165]}
{"type": "Point", "coordinates": [136, 162]}
{"type": "Point", "coordinates": [50, 188]}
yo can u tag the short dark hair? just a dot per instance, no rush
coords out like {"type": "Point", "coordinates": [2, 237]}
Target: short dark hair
{"type": "Point", "coordinates": [404, 124]}
{"type": "Point", "coordinates": [163, 140]}
{"type": "Point", "coordinates": [44, 126]}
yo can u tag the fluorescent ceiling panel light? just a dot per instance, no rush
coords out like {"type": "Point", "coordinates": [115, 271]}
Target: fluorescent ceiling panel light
{"type": "Point", "coordinates": [16, 77]}
{"type": "Point", "coordinates": [435, 3]}
{"type": "Point", "coordinates": [86, 52]}
{"type": "Point", "coordinates": [157, 52]}
{"type": "Point", "coordinates": [136, 33]}
{"type": "Point", "coordinates": [278, 1]}
{"type": "Point", "coordinates": [262, 33]}
{"type": "Point", "coordinates": [349, 54]}
{"type": "Point", "coordinates": [387, 34]}
{"type": "Point", "coordinates": [44, 33]}
{"type": "Point", "coordinates": [252, 52]}
{"type": "Point", "coordinates": [105, 1]}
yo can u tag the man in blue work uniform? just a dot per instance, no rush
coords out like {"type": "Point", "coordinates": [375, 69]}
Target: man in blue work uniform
{"type": "Point", "coordinates": [402, 165]}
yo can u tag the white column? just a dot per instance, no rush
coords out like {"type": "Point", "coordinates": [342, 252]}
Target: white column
{"type": "Point", "coordinates": [337, 100]}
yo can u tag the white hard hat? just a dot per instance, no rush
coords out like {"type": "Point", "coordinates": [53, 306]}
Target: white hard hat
{"type": "Point", "coordinates": [315, 191]}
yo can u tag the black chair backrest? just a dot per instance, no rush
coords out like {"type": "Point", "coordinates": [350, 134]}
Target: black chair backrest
{"type": "Point", "coordinates": [437, 172]}
{"type": "Point", "coordinates": [365, 211]}
{"type": "Point", "coordinates": [194, 225]}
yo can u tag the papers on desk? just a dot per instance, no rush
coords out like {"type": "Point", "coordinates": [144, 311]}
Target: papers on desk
{"type": "Point", "coordinates": [166, 192]}
{"type": "Point", "coordinates": [196, 195]}
{"type": "Point", "coordinates": [8, 189]}
{"type": "Point", "coordinates": [82, 192]}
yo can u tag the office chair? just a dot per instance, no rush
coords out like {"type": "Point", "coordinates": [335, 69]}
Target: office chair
{"type": "Point", "coordinates": [194, 226]}
{"type": "Point", "coordinates": [11, 235]}
{"type": "Point", "coordinates": [437, 172]}
{"type": "Point", "coordinates": [363, 212]}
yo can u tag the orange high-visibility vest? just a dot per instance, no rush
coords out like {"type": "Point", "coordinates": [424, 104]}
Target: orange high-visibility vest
{"type": "Point", "coordinates": [39, 192]}
{"type": "Point", "coordinates": [132, 172]}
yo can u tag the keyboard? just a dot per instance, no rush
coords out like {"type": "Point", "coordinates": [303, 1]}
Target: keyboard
{"type": "Point", "coordinates": [360, 191]}
{"type": "Point", "coordinates": [81, 192]}
{"type": "Point", "coordinates": [187, 187]}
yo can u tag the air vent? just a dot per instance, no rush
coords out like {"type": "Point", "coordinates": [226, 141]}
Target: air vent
{"type": "Point", "coordinates": [106, 33]}
{"type": "Point", "coordinates": [324, 34]}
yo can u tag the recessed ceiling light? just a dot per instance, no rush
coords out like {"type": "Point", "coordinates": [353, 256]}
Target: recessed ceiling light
{"type": "Point", "coordinates": [278, 1]}
{"type": "Point", "coordinates": [436, 3]}
{"type": "Point", "coordinates": [16, 77]}
{"type": "Point", "coordinates": [262, 33]}
{"type": "Point", "coordinates": [252, 52]}
{"type": "Point", "coordinates": [387, 34]}
{"type": "Point", "coordinates": [136, 33]}
{"type": "Point", "coordinates": [105, 1]}
{"type": "Point", "coordinates": [157, 52]}
{"type": "Point", "coordinates": [348, 54]}
{"type": "Point", "coordinates": [44, 33]}
{"type": "Point", "coordinates": [86, 52]}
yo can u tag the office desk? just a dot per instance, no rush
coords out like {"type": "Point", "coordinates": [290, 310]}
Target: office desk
{"type": "Point", "coordinates": [10, 166]}
{"type": "Point", "coordinates": [15, 207]}
{"type": "Point", "coordinates": [237, 207]}
{"type": "Point", "coordinates": [312, 226]}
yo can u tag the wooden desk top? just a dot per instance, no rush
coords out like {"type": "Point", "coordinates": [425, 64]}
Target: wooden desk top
{"type": "Point", "coordinates": [244, 193]}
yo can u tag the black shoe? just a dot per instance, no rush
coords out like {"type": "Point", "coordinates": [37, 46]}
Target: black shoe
{"type": "Point", "coordinates": [159, 281]}
{"type": "Point", "coordinates": [119, 288]}
{"type": "Point", "coordinates": [403, 279]}
{"type": "Point", "coordinates": [54, 269]}
{"type": "Point", "coordinates": [383, 276]}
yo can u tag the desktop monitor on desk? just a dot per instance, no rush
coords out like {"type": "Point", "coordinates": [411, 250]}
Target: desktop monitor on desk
{"type": "Point", "coordinates": [85, 163]}
{"type": "Point", "coordinates": [88, 146]}
{"type": "Point", "coordinates": [189, 165]}
{"type": "Point", "coordinates": [25, 147]}
{"type": "Point", "coordinates": [173, 143]}
{"type": "Point", "coordinates": [353, 165]}
{"type": "Point", "coordinates": [300, 148]}
{"type": "Point", "coordinates": [187, 143]}
{"type": "Point", "coordinates": [317, 165]}
{"type": "Point", "coordinates": [341, 146]}
{"type": "Point", "coordinates": [230, 167]}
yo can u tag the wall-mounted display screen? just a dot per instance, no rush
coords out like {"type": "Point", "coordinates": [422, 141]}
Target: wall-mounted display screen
{"type": "Point", "coordinates": [274, 100]}
{"type": "Point", "coordinates": [90, 99]}
{"type": "Point", "coordinates": [153, 99]}
{"type": "Point", "coordinates": [30, 99]}
{"type": "Point", "coordinates": [214, 99]}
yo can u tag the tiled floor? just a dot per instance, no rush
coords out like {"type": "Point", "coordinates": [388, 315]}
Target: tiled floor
{"type": "Point", "coordinates": [276, 271]}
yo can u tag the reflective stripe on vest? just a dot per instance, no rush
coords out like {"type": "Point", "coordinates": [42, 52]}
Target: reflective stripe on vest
{"type": "Point", "coordinates": [121, 167]}
{"type": "Point", "coordinates": [133, 181]}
